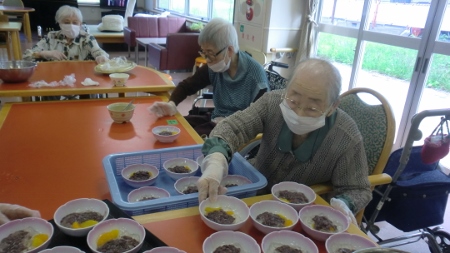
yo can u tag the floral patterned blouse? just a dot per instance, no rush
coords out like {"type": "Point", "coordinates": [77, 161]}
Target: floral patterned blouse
{"type": "Point", "coordinates": [83, 48]}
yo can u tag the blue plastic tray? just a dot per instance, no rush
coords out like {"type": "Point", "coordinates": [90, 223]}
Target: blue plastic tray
{"type": "Point", "coordinates": [114, 163]}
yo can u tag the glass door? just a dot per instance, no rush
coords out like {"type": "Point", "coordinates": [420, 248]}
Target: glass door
{"type": "Point", "coordinates": [432, 89]}
{"type": "Point", "coordinates": [387, 46]}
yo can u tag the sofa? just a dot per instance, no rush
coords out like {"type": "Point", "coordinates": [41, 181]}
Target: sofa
{"type": "Point", "coordinates": [151, 27]}
{"type": "Point", "coordinates": [178, 53]}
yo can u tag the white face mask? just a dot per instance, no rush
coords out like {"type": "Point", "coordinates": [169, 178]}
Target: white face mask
{"type": "Point", "coordinates": [300, 124]}
{"type": "Point", "coordinates": [69, 30]}
{"type": "Point", "coordinates": [221, 66]}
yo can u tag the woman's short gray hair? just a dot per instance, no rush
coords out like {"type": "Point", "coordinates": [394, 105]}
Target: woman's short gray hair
{"type": "Point", "coordinates": [333, 76]}
{"type": "Point", "coordinates": [66, 11]}
{"type": "Point", "coordinates": [220, 33]}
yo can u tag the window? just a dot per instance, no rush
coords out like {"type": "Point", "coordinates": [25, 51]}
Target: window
{"type": "Point", "coordinates": [199, 9]}
{"type": "Point", "coordinates": [223, 9]}
{"type": "Point", "coordinates": [89, 2]}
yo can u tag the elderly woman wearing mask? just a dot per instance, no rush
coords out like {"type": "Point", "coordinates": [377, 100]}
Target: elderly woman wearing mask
{"type": "Point", "coordinates": [70, 43]}
{"type": "Point", "coordinates": [237, 79]}
{"type": "Point", "coordinates": [306, 139]}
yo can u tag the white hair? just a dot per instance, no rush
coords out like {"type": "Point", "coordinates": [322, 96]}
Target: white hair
{"type": "Point", "coordinates": [220, 33]}
{"type": "Point", "coordinates": [66, 11]}
{"type": "Point", "coordinates": [326, 68]}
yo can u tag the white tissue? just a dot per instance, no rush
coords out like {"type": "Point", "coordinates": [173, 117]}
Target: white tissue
{"type": "Point", "coordinates": [89, 82]}
{"type": "Point", "coordinates": [67, 81]}
{"type": "Point", "coordinates": [39, 84]}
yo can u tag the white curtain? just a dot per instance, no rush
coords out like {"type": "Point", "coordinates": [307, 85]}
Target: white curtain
{"type": "Point", "coordinates": [129, 11]}
{"type": "Point", "coordinates": [307, 35]}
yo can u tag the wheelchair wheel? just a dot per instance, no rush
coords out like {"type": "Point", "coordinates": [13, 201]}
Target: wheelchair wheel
{"type": "Point", "coordinates": [443, 240]}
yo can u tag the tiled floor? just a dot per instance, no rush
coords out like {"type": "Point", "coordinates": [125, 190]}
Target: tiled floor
{"type": "Point", "coordinates": [386, 230]}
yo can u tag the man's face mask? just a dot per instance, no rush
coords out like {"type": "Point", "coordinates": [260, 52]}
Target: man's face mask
{"type": "Point", "coordinates": [300, 124]}
{"type": "Point", "coordinates": [69, 30]}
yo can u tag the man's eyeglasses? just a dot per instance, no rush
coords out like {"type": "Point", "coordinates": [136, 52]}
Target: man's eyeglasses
{"type": "Point", "coordinates": [309, 111]}
{"type": "Point", "coordinates": [211, 57]}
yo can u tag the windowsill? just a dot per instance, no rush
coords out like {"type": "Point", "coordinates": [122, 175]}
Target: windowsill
{"type": "Point", "coordinates": [88, 5]}
{"type": "Point", "coordinates": [188, 18]}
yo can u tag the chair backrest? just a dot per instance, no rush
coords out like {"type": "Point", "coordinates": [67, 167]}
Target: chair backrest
{"type": "Point", "coordinates": [145, 27]}
{"type": "Point", "coordinates": [182, 49]}
{"type": "Point", "coordinates": [15, 3]}
{"type": "Point", "coordinates": [376, 124]}
{"type": "Point", "coordinates": [171, 24]}
{"type": "Point", "coordinates": [156, 27]}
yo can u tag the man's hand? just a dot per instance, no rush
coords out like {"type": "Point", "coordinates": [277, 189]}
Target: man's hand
{"type": "Point", "coordinates": [53, 55]}
{"type": "Point", "coordinates": [343, 208]}
{"type": "Point", "coordinates": [11, 212]}
{"type": "Point", "coordinates": [161, 109]}
{"type": "Point", "coordinates": [214, 169]}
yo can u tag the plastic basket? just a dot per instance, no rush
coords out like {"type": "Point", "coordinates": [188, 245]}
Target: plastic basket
{"type": "Point", "coordinates": [114, 163]}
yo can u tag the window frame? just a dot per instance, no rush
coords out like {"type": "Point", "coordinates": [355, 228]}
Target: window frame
{"type": "Point", "coordinates": [189, 15]}
{"type": "Point", "coordinates": [88, 2]}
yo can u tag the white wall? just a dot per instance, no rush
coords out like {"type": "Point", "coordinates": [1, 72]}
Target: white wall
{"type": "Point", "coordinates": [92, 14]}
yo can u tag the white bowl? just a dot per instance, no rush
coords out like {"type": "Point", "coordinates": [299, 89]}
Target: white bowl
{"type": "Point", "coordinates": [294, 187]}
{"type": "Point", "coordinates": [307, 214]}
{"type": "Point", "coordinates": [137, 195]}
{"type": "Point", "coordinates": [119, 79]}
{"type": "Point", "coordinates": [118, 114]}
{"type": "Point", "coordinates": [274, 207]}
{"type": "Point", "coordinates": [238, 239]}
{"type": "Point", "coordinates": [125, 226]}
{"type": "Point", "coordinates": [165, 249]}
{"type": "Point", "coordinates": [226, 203]}
{"type": "Point", "coordinates": [292, 239]}
{"type": "Point", "coordinates": [62, 249]}
{"type": "Point", "coordinates": [157, 132]}
{"type": "Point", "coordinates": [348, 241]}
{"type": "Point", "coordinates": [79, 206]}
{"type": "Point", "coordinates": [128, 171]}
{"type": "Point", "coordinates": [191, 164]}
{"type": "Point", "coordinates": [232, 180]}
{"type": "Point", "coordinates": [32, 225]}
{"type": "Point", "coordinates": [183, 183]}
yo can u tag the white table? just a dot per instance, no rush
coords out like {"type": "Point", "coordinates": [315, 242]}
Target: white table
{"type": "Point", "coordinates": [105, 37]}
{"type": "Point", "coordinates": [144, 42]}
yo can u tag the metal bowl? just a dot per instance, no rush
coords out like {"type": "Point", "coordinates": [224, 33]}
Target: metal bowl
{"type": "Point", "coordinates": [16, 71]}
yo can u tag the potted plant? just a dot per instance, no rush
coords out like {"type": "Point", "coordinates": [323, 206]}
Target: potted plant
{"type": "Point", "coordinates": [196, 27]}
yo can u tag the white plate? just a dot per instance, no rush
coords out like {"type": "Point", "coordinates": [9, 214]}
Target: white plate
{"type": "Point", "coordinates": [119, 69]}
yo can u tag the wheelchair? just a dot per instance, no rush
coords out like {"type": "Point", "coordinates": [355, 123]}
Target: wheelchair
{"type": "Point", "coordinates": [417, 196]}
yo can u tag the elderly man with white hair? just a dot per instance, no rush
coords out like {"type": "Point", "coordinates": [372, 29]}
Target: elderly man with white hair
{"type": "Point", "coordinates": [306, 139]}
{"type": "Point", "coordinates": [237, 79]}
{"type": "Point", "coordinates": [69, 43]}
